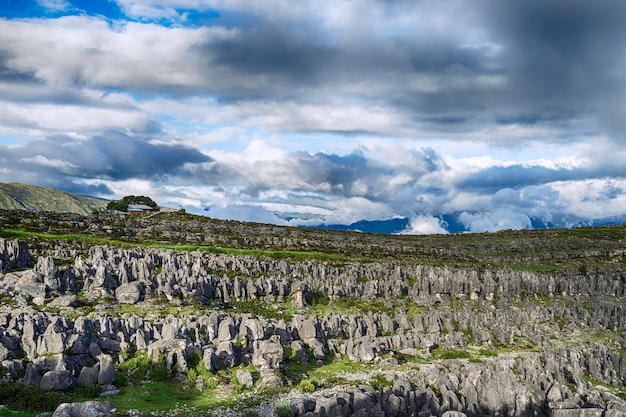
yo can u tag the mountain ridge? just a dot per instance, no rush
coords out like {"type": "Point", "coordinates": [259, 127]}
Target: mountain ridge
{"type": "Point", "coordinates": [17, 196]}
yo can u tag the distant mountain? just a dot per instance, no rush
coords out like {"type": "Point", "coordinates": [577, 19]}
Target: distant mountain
{"type": "Point", "coordinates": [33, 198]}
{"type": "Point", "coordinates": [371, 226]}
{"type": "Point", "coordinates": [452, 224]}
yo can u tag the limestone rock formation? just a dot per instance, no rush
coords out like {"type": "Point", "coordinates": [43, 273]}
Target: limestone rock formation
{"type": "Point", "coordinates": [448, 340]}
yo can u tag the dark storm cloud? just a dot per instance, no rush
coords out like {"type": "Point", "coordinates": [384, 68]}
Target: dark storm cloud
{"type": "Point", "coordinates": [562, 56]}
{"type": "Point", "coordinates": [111, 155]}
{"type": "Point", "coordinates": [275, 50]}
{"type": "Point", "coordinates": [492, 179]}
{"type": "Point", "coordinates": [495, 178]}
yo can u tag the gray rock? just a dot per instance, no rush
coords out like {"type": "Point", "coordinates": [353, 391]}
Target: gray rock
{"type": "Point", "coordinates": [85, 409]}
{"type": "Point", "coordinates": [302, 405]}
{"type": "Point", "coordinates": [88, 375]}
{"type": "Point", "coordinates": [5, 353]}
{"type": "Point", "coordinates": [110, 345]}
{"type": "Point", "coordinates": [244, 377]}
{"type": "Point", "coordinates": [13, 254]}
{"type": "Point", "coordinates": [328, 407]}
{"type": "Point", "coordinates": [106, 374]}
{"type": "Point", "coordinates": [32, 376]}
{"type": "Point", "coordinates": [268, 354]}
{"type": "Point", "coordinates": [226, 354]}
{"type": "Point", "coordinates": [254, 329]}
{"type": "Point", "coordinates": [453, 414]}
{"type": "Point", "coordinates": [57, 380]}
{"type": "Point", "coordinates": [94, 350]}
{"type": "Point", "coordinates": [270, 379]}
{"type": "Point", "coordinates": [299, 351]}
{"type": "Point", "coordinates": [51, 342]}
{"type": "Point", "coordinates": [226, 331]}
{"type": "Point", "coordinates": [577, 412]}
{"type": "Point", "coordinates": [63, 301]}
{"type": "Point", "coordinates": [210, 360]}
{"type": "Point", "coordinates": [50, 273]}
{"type": "Point", "coordinates": [129, 293]}
{"type": "Point", "coordinates": [298, 300]}
{"type": "Point", "coordinates": [33, 289]}
{"type": "Point", "coordinates": [109, 390]}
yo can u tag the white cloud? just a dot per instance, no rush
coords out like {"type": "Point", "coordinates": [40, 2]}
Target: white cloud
{"type": "Point", "coordinates": [54, 5]}
{"type": "Point", "coordinates": [593, 198]}
{"type": "Point", "coordinates": [47, 162]}
{"type": "Point", "coordinates": [130, 55]}
{"type": "Point", "coordinates": [425, 225]}
{"type": "Point", "coordinates": [493, 221]}
{"type": "Point", "coordinates": [39, 119]}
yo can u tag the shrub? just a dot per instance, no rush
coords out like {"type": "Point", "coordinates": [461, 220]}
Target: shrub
{"type": "Point", "coordinates": [379, 381]}
{"type": "Point", "coordinates": [90, 391]}
{"type": "Point", "coordinates": [450, 354]}
{"type": "Point", "coordinates": [17, 396]}
{"type": "Point", "coordinates": [306, 386]}
{"type": "Point", "coordinates": [283, 410]}
{"type": "Point", "coordinates": [158, 371]}
{"type": "Point", "coordinates": [137, 366]}
{"type": "Point", "coordinates": [192, 375]}
{"type": "Point", "coordinates": [211, 383]}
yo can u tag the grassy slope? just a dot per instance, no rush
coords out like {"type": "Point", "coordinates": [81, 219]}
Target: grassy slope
{"type": "Point", "coordinates": [34, 198]}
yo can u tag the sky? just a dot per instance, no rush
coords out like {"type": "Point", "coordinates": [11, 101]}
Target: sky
{"type": "Point", "coordinates": [499, 115]}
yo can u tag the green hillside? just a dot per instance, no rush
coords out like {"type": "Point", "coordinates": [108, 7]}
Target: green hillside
{"type": "Point", "coordinates": [33, 198]}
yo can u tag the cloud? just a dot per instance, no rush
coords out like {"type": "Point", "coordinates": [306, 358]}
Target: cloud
{"type": "Point", "coordinates": [398, 69]}
{"type": "Point", "coordinates": [343, 111]}
{"type": "Point", "coordinates": [59, 164]}
{"type": "Point", "coordinates": [493, 221]}
{"type": "Point", "coordinates": [564, 57]}
{"type": "Point", "coordinates": [425, 225]}
{"type": "Point", "coordinates": [111, 155]}
{"type": "Point", "coordinates": [519, 175]}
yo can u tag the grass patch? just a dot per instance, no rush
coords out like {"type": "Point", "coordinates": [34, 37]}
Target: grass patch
{"type": "Point", "coordinates": [258, 308]}
{"type": "Point", "coordinates": [441, 353]}
{"type": "Point", "coordinates": [153, 395]}
{"type": "Point", "coordinates": [11, 413]}
{"type": "Point", "coordinates": [487, 352]}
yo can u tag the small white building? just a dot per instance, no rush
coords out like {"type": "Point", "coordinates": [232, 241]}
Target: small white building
{"type": "Point", "coordinates": [138, 208]}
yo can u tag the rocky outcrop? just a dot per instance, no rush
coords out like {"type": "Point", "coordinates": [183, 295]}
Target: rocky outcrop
{"type": "Point", "coordinates": [527, 386]}
{"type": "Point", "coordinates": [131, 274]}
{"type": "Point", "coordinates": [386, 313]}
{"type": "Point", "coordinates": [13, 254]}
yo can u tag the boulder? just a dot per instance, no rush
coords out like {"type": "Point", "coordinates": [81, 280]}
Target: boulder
{"type": "Point", "coordinates": [84, 409]}
{"type": "Point", "coordinates": [13, 254]}
{"type": "Point", "coordinates": [57, 380]}
{"type": "Point", "coordinates": [88, 375]}
{"type": "Point", "coordinates": [32, 376]}
{"type": "Point", "coordinates": [267, 354]}
{"type": "Point", "coordinates": [63, 301]}
{"type": "Point", "coordinates": [129, 293]}
{"type": "Point", "coordinates": [244, 377]}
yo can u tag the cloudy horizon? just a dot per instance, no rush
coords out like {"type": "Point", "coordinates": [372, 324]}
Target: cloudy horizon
{"type": "Point", "coordinates": [302, 113]}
